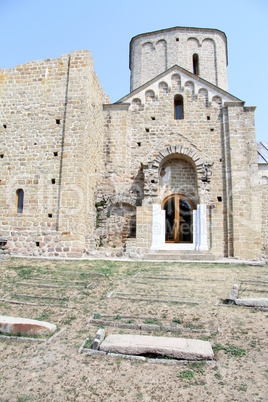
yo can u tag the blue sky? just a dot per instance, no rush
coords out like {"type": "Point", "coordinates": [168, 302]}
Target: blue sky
{"type": "Point", "coordinates": [41, 29]}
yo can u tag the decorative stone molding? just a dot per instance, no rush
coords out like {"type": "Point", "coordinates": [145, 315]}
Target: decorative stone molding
{"type": "Point", "coordinates": [203, 166]}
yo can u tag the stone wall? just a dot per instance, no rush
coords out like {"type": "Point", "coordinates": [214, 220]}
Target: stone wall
{"type": "Point", "coordinates": [154, 52]}
{"type": "Point", "coordinates": [50, 112]}
{"type": "Point", "coordinates": [178, 176]}
{"type": "Point", "coordinates": [264, 215]}
{"type": "Point", "coordinates": [147, 128]}
{"type": "Point", "coordinates": [243, 201]}
{"type": "Point", "coordinates": [263, 192]}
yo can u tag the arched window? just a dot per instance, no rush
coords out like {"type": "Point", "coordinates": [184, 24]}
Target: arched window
{"type": "Point", "coordinates": [19, 201]}
{"type": "Point", "coordinates": [195, 64]}
{"type": "Point", "coordinates": [178, 107]}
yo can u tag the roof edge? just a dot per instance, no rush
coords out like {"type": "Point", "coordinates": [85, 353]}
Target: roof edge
{"type": "Point", "coordinates": [191, 75]}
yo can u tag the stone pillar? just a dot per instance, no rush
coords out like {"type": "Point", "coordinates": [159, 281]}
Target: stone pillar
{"type": "Point", "coordinates": [158, 225]}
{"type": "Point", "coordinates": [202, 227]}
{"type": "Point", "coordinates": [144, 226]}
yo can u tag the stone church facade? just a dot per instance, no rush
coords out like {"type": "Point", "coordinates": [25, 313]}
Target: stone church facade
{"type": "Point", "coordinates": [169, 169]}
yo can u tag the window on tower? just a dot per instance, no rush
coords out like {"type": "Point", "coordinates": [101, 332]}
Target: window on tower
{"type": "Point", "coordinates": [195, 64]}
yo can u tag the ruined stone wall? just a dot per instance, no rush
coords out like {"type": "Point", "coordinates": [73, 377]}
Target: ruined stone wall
{"type": "Point", "coordinates": [154, 52]}
{"type": "Point", "coordinates": [46, 126]}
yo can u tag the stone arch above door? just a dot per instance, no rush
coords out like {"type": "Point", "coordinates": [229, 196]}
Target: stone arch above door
{"type": "Point", "coordinates": [199, 161]}
{"type": "Point", "coordinates": [202, 164]}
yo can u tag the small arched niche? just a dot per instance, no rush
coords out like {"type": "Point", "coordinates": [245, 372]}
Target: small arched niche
{"type": "Point", "coordinates": [163, 88]}
{"type": "Point", "coordinates": [149, 95]}
{"type": "Point", "coordinates": [217, 101]}
{"type": "Point", "coordinates": [264, 180]}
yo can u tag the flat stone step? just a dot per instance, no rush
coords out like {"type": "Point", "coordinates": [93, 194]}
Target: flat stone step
{"type": "Point", "coordinates": [25, 326]}
{"type": "Point", "coordinates": [178, 348]}
{"type": "Point", "coordinates": [180, 255]}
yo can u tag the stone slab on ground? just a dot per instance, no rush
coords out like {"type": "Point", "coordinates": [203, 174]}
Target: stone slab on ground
{"type": "Point", "coordinates": [260, 302]}
{"type": "Point", "coordinates": [25, 326]}
{"type": "Point", "coordinates": [179, 348]}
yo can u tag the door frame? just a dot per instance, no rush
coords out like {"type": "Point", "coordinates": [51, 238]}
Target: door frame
{"type": "Point", "coordinates": [177, 197]}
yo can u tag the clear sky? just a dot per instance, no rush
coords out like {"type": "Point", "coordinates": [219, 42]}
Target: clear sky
{"type": "Point", "coordinates": [42, 29]}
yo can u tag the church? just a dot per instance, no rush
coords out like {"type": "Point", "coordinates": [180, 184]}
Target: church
{"type": "Point", "coordinates": [172, 170]}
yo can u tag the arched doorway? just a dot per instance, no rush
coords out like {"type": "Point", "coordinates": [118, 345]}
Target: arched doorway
{"type": "Point", "coordinates": [178, 219]}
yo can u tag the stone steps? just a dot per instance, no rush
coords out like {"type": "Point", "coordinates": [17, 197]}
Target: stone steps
{"type": "Point", "coordinates": [180, 255]}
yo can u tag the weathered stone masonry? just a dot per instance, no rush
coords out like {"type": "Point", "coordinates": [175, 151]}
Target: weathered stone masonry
{"type": "Point", "coordinates": [52, 136]}
{"type": "Point", "coordinates": [95, 175]}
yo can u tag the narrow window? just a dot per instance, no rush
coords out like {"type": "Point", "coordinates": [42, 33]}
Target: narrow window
{"type": "Point", "coordinates": [19, 201]}
{"type": "Point", "coordinates": [195, 64]}
{"type": "Point", "coordinates": [178, 107]}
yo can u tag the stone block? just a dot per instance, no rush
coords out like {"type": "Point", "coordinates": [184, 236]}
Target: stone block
{"type": "Point", "coordinates": [261, 302]}
{"type": "Point", "coordinates": [25, 326]}
{"type": "Point", "coordinates": [179, 348]}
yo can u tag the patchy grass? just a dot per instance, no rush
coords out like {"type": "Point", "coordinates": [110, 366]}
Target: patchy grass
{"type": "Point", "coordinates": [57, 372]}
{"type": "Point", "coordinates": [229, 349]}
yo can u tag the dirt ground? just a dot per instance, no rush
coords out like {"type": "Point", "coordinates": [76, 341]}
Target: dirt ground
{"type": "Point", "coordinates": [55, 371]}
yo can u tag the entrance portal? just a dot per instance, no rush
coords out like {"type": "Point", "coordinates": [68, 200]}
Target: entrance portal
{"type": "Point", "coordinates": [179, 219]}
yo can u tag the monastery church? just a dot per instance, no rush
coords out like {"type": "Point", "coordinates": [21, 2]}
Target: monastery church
{"type": "Point", "coordinates": [170, 171]}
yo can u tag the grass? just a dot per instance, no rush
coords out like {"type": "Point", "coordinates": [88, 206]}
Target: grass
{"type": "Point", "coordinates": [186, 375]}
{"type": "Point", "coordinates": [88, 343]}
{"type": "Point", "coordinates": [177, 320]}
{"type": "Point", "coordinates": [240, 327]}
{"type": "Point", "coordinates": [68, 320]}
{"type": "Point", "coordinates": [154, 321]}
{"type": "Point", "coordinates": [229, 349]}
{"type": "Point", "coordinates": [193, 369]}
